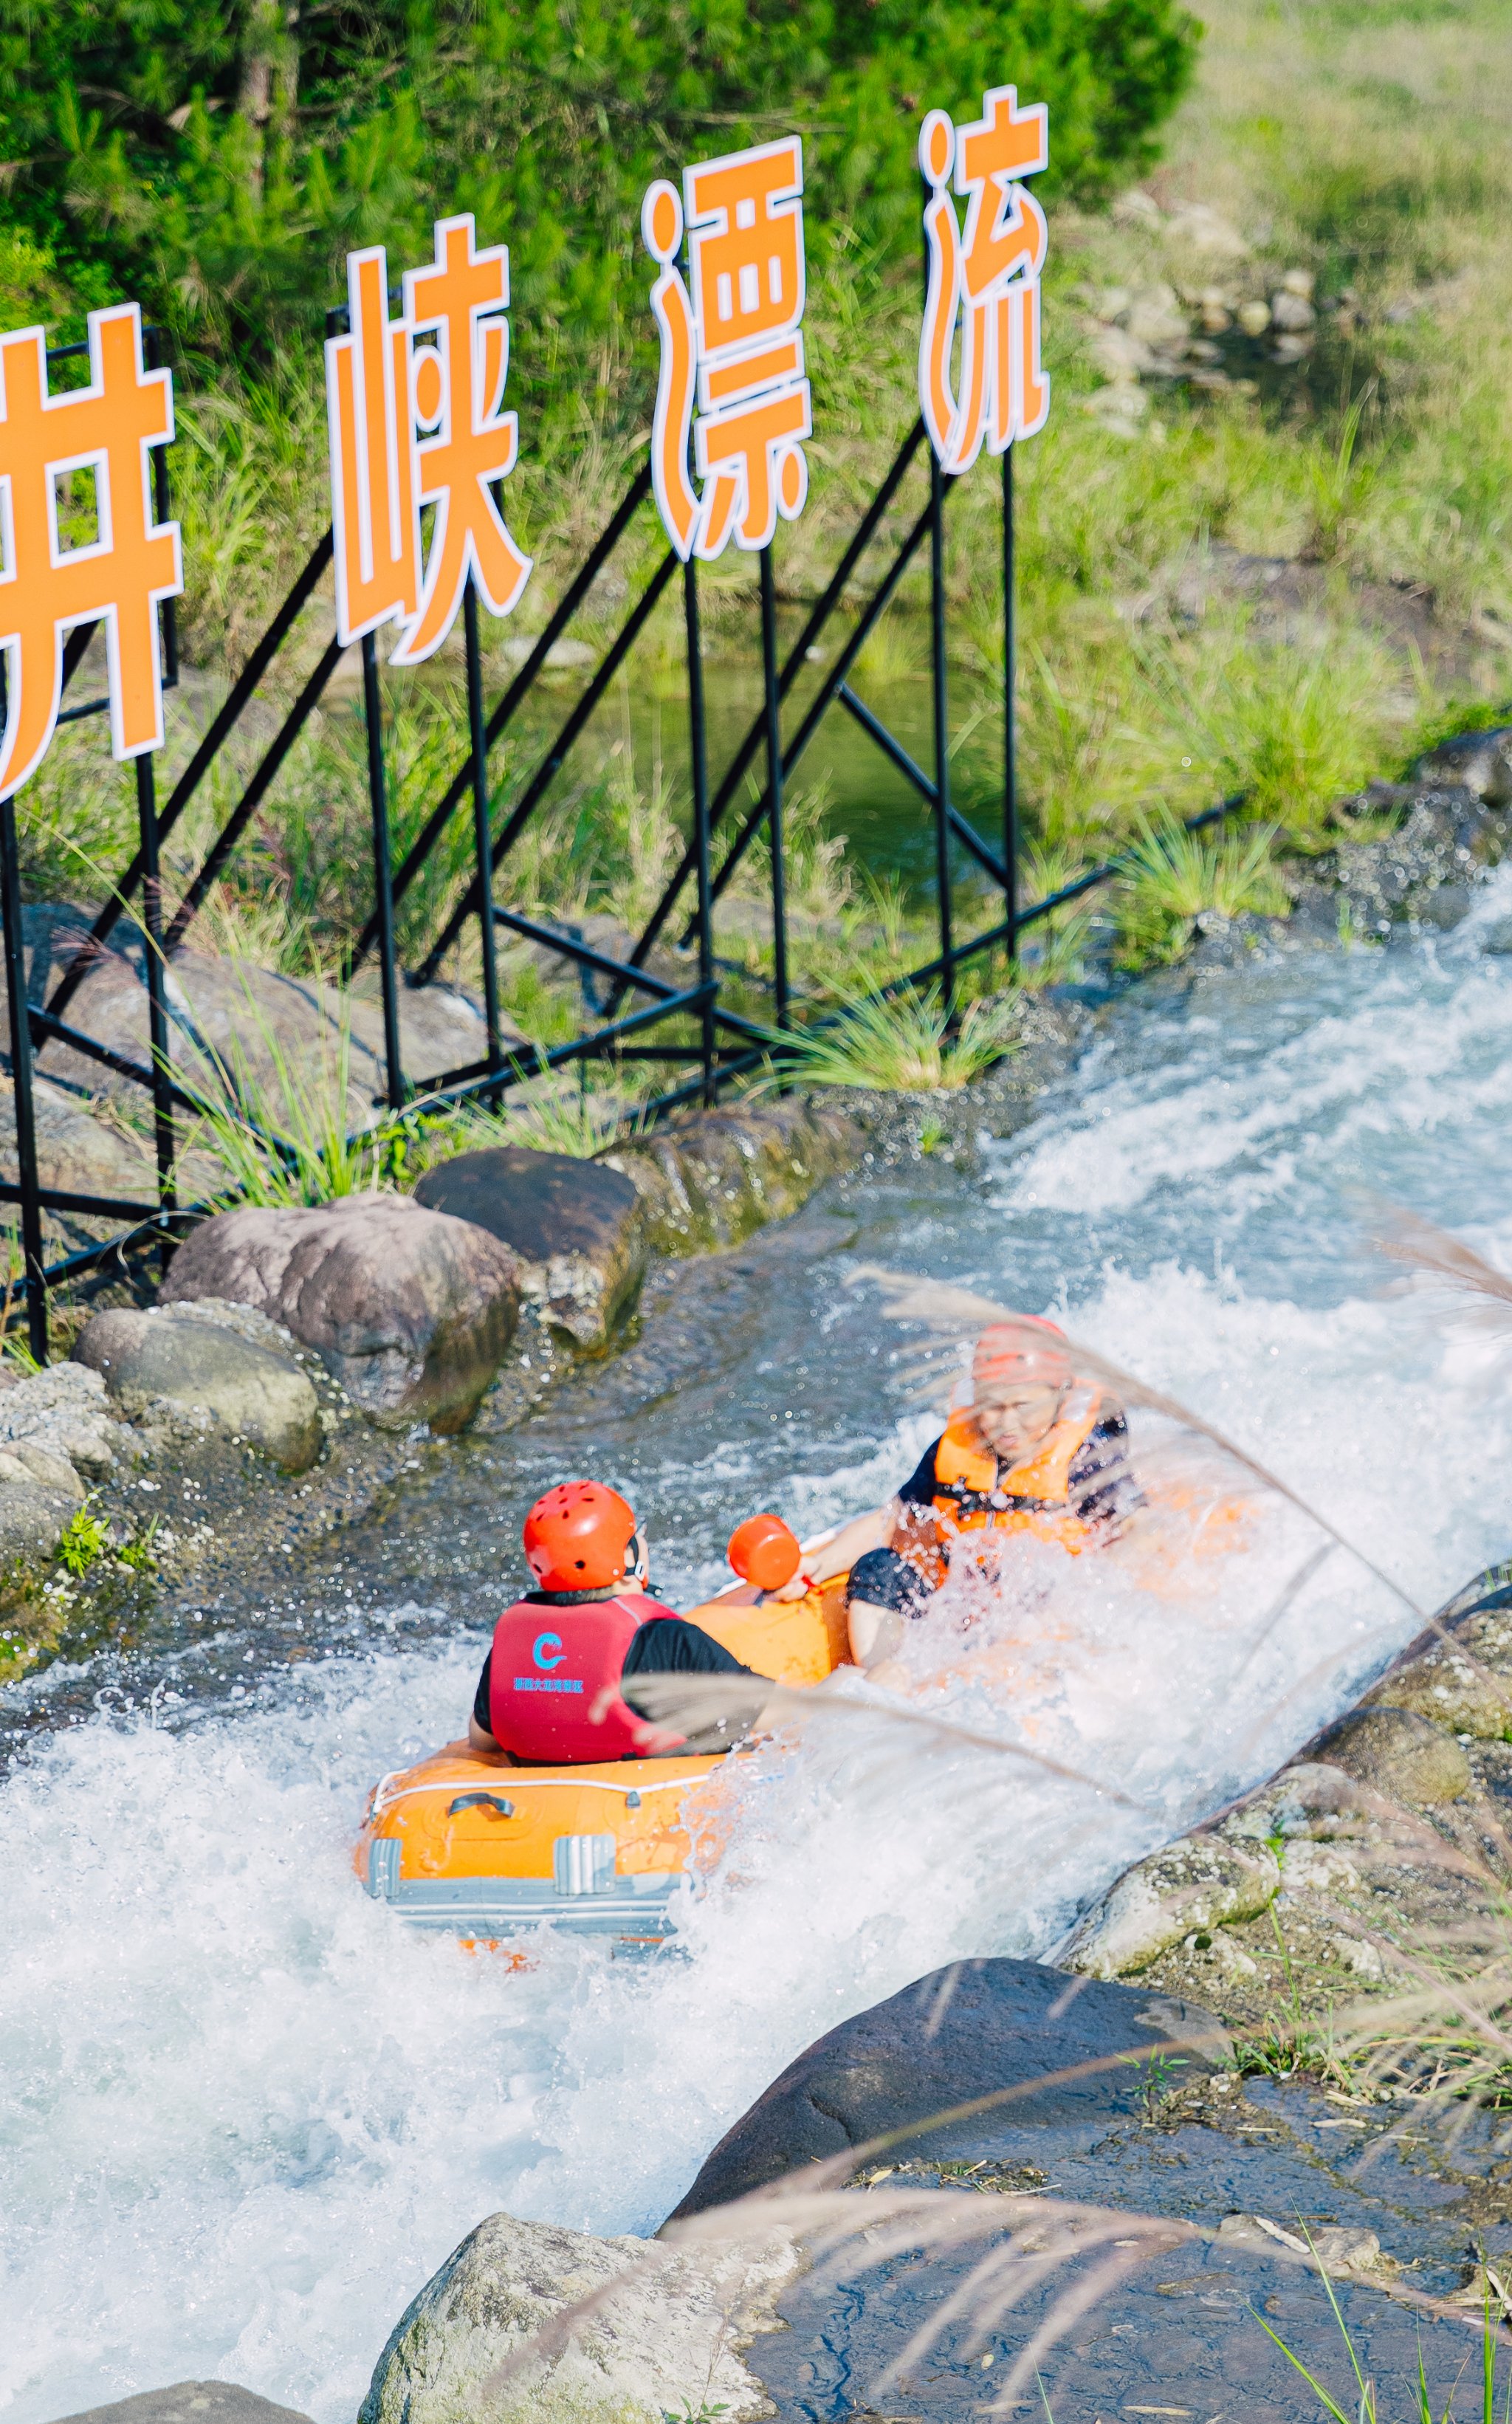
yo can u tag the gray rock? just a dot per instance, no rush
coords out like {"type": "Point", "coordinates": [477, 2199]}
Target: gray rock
{"type": "Point", "coordinates": [31, 1520]}
{"type": "Point", "coordinates": [1466, 1694]}
{"type": "Point", "coordinates": [411, 1311]}
{"type": "Point", "coordinates": [577, 1228]}
{"type": "Point", "coordinates": [671, 2339]}
{"type": "Point", "coordinates": [65, 1411]}
{"type": "Point", "coordinates": [229, 1012]}
{"type": "Point", "coordinates": [1195, 1884]}
{"type": "Point", "coordinates": [191, 2402]}
{"type": "Point", "coordinates": [977, 2028]}
{"type": "Point", "coordinates": [1397, 1753]}
{"type": "Point", "coordinates": [1481, 762]}
{"type": "Point", "coordinates": [169, 1368]}
{"type": "Point", "coordinates": [708, 1179]}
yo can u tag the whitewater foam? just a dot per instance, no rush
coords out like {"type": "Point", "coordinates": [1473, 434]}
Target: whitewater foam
{"type": "Point", "coordinates": [245, 2113]}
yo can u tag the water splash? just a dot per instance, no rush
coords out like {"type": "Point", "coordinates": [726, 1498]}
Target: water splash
{"type": "Point", "coordinates": [247, 2114]}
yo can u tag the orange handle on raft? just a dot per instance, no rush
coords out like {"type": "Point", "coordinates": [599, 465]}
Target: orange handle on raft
{"type": "Point", "coordinates": [764, 1552]}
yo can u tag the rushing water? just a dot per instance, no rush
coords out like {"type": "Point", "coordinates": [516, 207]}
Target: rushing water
{"type": "Point", "coordinates": [245, 2115]}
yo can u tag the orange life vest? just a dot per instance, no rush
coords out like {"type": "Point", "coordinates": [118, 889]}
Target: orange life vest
{"type": "Point", "coordinates": [974, 1495]}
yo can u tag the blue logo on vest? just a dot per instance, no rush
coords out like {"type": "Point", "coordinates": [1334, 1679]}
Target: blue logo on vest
{"type": "Point", "coordinates": [548, 1683]}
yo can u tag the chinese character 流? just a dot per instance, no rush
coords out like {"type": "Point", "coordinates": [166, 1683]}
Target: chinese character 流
{"type": "Point", "coordinates": [986, 277]}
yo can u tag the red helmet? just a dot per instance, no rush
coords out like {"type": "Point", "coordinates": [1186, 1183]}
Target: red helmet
{"type": "Point", "coordinates": [764, 1552]}
{"type": "Point", "coordinates": [578, 1537]}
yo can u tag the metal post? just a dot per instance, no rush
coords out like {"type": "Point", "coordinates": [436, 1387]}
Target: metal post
{"type": "Point", "coordinates": [21, 1071]}
{"type": "Point", "coordinates": [482, 835]}
{"type": "Point", "coordinates": [382, 871]}
{"type": "Point", "coordinates": [697, 744]}
{"type": "Point", "coordinates": [942, 731]}
{"type": "Point", "coordinates": [1009, 717]}
{"type": "Point", "coordinates": [775, 834]}
{"type": "Point", "coordinates": [158, 1013]}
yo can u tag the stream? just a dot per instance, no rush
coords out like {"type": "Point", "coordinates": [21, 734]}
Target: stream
{"type": "Point", "coordinates": [245, 2115]}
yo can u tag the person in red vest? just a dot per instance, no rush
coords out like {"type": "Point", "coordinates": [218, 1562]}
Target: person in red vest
{"type": "Point", "coordinates": [554, 1686]}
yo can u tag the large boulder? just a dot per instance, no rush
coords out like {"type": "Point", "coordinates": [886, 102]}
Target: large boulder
{"type": "Point", "coordinates": [975, 2030]}
{"type": "Point", "coordinates": [194, 1366]}
{"type": "Point", "coordinates": [670, 2341]}
{"type": "Point", "coordinates": [1086, 2115]}
{"type": "Point", "coordinates": [410, 1310]}
{"type": "Point", "coordinates": [191, 2402]}
{"type": "Point", "coordinates": [227, 1013]}
{"type": "Point", "coordinates": [577, 1227]}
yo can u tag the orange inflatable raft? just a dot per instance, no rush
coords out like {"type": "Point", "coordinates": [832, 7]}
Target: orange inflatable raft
{"type": "Point", "coordinates": [469, 1844]}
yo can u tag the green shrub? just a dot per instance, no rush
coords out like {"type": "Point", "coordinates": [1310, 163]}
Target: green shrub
{"type": "Point", "coordinates": [220, 160]}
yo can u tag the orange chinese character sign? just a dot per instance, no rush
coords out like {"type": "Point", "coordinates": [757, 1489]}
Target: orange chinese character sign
{"type": "Point", "coordinates": [734, 345]}
{"type": "Point", "coordinates": [985, 278]}
{"type": "Point", "coordinates": [382, 389]}
{"type": "Point", "coordinates": [126, 571]}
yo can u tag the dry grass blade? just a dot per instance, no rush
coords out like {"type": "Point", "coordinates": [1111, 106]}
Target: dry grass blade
{"type": "Point", "coordinates": [1435, 1253]}
{"type": "Point", "coordinates": [955, 1311]}
{"type": "Point", "coordinates": [695, 1705]}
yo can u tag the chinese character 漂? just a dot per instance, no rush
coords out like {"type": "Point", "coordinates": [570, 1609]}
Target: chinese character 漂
{"type": "Point", "coordinates": [986, 276]}
{"type": "Point", "coordinates": [122, 576]}
{"type": "Point", "coordinates": [383, 389]}
{"type": "Point", "coordinates": [735, 345]}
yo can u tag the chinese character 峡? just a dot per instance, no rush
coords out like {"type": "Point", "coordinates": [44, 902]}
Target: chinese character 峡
{"type": "Point", "coordinates": [734, 344]}
{"type": "Point", "coordinates": [382, 389]}
{"type": "Point", "coordinates": [986, 276]}
{"type": "Point", "coordinates": [122, 575]}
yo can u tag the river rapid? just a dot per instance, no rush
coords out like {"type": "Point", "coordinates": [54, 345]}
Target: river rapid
{"type": "Point", "coordinates": [244, 2116]}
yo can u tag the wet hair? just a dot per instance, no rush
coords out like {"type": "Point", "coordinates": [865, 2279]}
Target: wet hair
{"type": "Point", "coordinates": [883, 1579]}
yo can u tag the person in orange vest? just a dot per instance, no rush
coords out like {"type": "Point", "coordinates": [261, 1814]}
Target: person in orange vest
{"type": "Point", "coordinates": [557, 1684]}
{"type": "Point", "coordinates": [1036, 1451]}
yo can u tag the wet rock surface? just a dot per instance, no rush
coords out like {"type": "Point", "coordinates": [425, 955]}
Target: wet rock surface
{"type": "Point", "coordinates": [674, 2339]}
{"type": "Point", "coordinates": [411, 1311]}
{"type": "Point", "coordinates": [192, 1367]}
{"type": "Point", "coordinates": [191, 2402]}
{"type": "Point", "coordinates": [577, 1227]}
{"type": "Point", "coordinates": [708, 1179]}
{"type": "Point", "coordinates": [1241, 2169]}
{"type": "Point", "coordinates": [977, 2028]}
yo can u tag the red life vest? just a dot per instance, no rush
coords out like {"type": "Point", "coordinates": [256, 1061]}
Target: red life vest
{"type": "Point", "coordinates": [549, 1666]}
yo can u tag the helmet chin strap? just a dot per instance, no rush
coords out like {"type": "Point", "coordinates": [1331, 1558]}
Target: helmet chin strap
{"type": "Point", "coordinates": [637, 1566]}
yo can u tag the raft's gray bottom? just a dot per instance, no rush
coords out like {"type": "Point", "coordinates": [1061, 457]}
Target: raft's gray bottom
{"type": "Point", "coordinates": [632, 1906]}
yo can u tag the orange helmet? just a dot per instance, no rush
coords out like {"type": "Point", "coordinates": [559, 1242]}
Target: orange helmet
{"type": "Point", "coordinates": [764, 1552]}
{"type": "Point", "coordinates": [578, 1537]}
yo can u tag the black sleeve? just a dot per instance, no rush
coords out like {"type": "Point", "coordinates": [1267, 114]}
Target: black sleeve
{"type": "Point", "coordinates": [1101, 1483]}
{"type": "Point", "coordinates": [918, 1489]}
{"type": "Point", "coordinates": [670, 1646]}
{"type": "Point", "coordinates": [482, 1703]}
